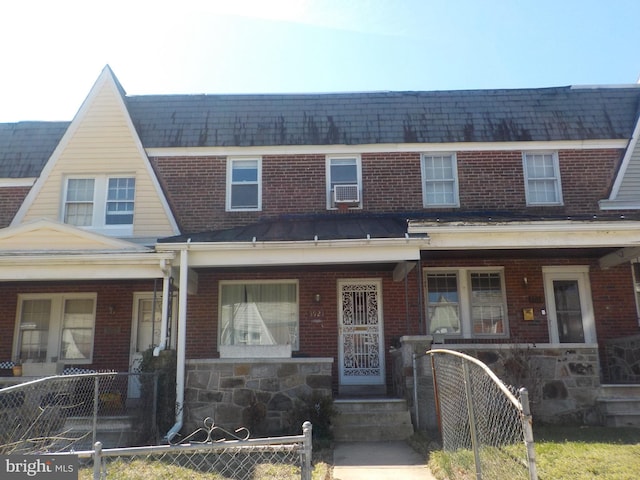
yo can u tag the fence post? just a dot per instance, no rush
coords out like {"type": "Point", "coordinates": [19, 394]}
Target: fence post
{"type": "Point", "coordinates": [96, 387]}
{"type": "Point", "coordinates": [308, 450]}
{"type": "Point", "coordinates": [528, 433]}
{"type": "Point", "coordinates": [97, 460]}
{"type": "Point", "coordinates": [472, 418]}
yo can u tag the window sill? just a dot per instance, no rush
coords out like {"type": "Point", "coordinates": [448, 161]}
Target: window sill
{"type": "Point", "coordinates": [254, 351]}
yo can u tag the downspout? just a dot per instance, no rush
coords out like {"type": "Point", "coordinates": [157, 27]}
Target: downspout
{"type": "Point", "coordinates": [181, 344]}
{"type": "Point", "coordinates": [164, 326]}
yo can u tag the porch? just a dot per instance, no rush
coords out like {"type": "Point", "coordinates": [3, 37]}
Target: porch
{"type": "Point", "coordinates": [566, 383]}
{"type": "Point", "coordinates": [63, 412]}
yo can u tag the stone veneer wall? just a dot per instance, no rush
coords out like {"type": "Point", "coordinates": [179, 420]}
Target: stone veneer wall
{"type": "Point", "coordinates": [563, 382]}
{"type": "Point", "coordinates": [255, 393]}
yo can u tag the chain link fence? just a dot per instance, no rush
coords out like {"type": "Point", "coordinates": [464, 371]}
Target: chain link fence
{"type": "Point", "coordinates": [72, 412]}
{"type": "Point", "coordinates": [485, 425]}
{"type": "Point", "coordinates": [284, 458]}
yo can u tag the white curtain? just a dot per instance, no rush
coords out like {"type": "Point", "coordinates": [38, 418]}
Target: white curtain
{"type": "Point", "coordinates": [259, 314]}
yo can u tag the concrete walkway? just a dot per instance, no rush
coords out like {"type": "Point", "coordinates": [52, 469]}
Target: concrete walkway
{"type": "Point", "coordinates": [394, 460]}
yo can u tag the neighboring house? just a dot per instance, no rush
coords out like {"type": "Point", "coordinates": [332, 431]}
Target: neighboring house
{"type": "Point", "coordinates": [303, 236]}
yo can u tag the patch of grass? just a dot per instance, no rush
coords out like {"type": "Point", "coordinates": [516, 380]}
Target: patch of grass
{"type": "Point", "coordinates": [146, 469]}
{"type": "Point", "coordinates": [587, 453]}
{"type": "Point", "coordinates": [562, 453]}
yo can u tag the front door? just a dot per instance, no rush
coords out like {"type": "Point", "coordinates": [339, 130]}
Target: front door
{"type": "Point", "coordinates": [361, 343]}
{"type": "Point", "coordinates": [568, 298]}
{"type": "Point", "coordinates": [145, 334]}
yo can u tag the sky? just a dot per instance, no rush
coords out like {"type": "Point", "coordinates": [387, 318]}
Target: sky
{"type": "Point", "coordinates": [51, 52]}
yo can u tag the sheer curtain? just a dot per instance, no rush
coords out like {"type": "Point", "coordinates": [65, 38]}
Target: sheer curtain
{"type": "Point", "coordinates": [259, 314]}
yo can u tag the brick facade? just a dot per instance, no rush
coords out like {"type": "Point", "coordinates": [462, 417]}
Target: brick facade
{"type": "Point", "coordinates": [112, 330]}
{"type": "Point", "coordinates": [391, 182]}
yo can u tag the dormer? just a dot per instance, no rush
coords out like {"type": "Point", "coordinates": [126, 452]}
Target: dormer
{"type": "Point", "coordinates": [99, 177]}
{"type": "Point", "coordinates": [625, 193]}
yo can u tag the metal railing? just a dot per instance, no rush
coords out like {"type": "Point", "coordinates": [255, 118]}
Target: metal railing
{"type": "Point", "coordinates": [285, 458]}
{"type": "Point", "coordinates": [486, 426]}
{"type": "Point", "coordinates": [72, 412]}
{"type": "Point", "coordinates": [621, 360]}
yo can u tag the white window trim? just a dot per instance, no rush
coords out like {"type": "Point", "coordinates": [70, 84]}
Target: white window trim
{"type": "Point", "coordinates": [580, 273]}
{"type": "Point", "coordinates": [57, 310]}
{"type": "Point", "coordinates": [230, 161]}
{"type": "Point", "coordinates": [557, 180]}
{"type": "Point", "coordinates": [464, 302]}
{"type": "Point", "coordinates": [100, 194]}
{"type": "Point", "coordinates": [454, 166]}
{"type": "Point", "coordinates": [250, 350]}
{"type": "Point", "coordinates": [329, 192]}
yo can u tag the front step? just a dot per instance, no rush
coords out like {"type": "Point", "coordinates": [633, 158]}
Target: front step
{"type": "Point", "coordinates": [619, 405]}
{"type": "Point", "coordinates": [370, 420]}
{"type": "Point", "coordinates": [112, 432]}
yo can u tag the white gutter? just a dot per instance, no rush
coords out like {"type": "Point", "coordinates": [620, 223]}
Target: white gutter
{"type": "Point", "coordinates": [387, 147]}
{"type": "Point", "coordinates": [165, 312]}
{"type": "Point", "coordinates": [181, 345]}
{"type": "Point", "coordinates": [418, 226]}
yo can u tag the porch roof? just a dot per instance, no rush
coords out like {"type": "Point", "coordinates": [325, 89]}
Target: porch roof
{"type": "Point", "coordinates": [305, 228]}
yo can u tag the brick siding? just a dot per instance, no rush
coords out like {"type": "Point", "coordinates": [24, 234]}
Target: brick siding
{"type": "Point", "coordinates": [296, 184]}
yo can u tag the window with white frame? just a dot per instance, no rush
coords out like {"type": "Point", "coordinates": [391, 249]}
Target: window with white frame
{"type": "Point", "coordinates": [55, 327]}
{"type": "Point", "coordinates": [440, 180]}
{"type": "Point", "coordinates": [466, 302]}
{"type": "Point", "coordinates": [104, 203]}
{"type": "Point", "coordinates": [542, 178]}
{"type": "Point", "coordinates": [344, 182]}
{"type": "Point", "coordinates": [259, 313]}
{"type": "Point", "coordinates": [244, 189]}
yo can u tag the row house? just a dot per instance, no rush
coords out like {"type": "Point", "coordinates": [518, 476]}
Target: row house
{"type": "Point", "coordinates": [283, 245]}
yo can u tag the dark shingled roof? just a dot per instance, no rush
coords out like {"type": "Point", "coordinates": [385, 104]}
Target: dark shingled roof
{"type": "Point", "coordinates": [329, 227]}
{"type": "Point", "coordinates": [542, 114]}
{"type": "Point", "coordinates": [26, 146]}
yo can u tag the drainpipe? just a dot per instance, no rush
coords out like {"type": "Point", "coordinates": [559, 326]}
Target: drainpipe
{"type": "Point", "coordinates": [181, 344]}
{"type": "Point", "coordinates": [165, 312]}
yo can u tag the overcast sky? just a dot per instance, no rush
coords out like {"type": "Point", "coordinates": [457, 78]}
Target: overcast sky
{"type": "Point", "coordinates": [52, 51]}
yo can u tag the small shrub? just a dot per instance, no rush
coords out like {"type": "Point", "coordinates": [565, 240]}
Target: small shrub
{"type": "Point", "coordinates": [317, 409]}
{"type": "Point", "coordinates": [165, 366]}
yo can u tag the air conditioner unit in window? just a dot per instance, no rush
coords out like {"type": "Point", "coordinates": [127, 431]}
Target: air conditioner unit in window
{"type": "Point", "coordinates": [346, 194]}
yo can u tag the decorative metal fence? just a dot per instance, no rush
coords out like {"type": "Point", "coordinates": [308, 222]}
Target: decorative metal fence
{"type": "Point", "coordinates": [485, 425]}
{"type": "Point", "coordinates": [621, 360]}
{"type": "Point", "coordinates": [284, 458]}
{"type": "Point", "coordinates": [72, 412]}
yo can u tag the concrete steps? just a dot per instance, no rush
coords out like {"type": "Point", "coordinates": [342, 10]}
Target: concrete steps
{"type": "Point", "coordinates": [371, 419]}
{"type": "Point", "coordinates": [112, 432]}
{"type": "Point", "coordinates": [619, 405]}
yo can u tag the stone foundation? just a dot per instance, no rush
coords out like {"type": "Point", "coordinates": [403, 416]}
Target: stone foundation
{"type": "Point", "coordinates": [255, 393]}
{"type": "Point", "coordinates": [563, 381]}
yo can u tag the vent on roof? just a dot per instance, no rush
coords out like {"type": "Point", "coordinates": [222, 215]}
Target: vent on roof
{"type": "Point", "coordinates": [346, 194]}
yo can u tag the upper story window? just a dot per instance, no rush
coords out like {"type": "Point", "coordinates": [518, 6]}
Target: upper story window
{"type": "Point", "coordinates": [244, 189]}
{"type": "Point", "coordinates": [55, 327]}
{"type": "Point", "coordinates": [542, 178]}
{"type": "Point", "coordinates": [466, 302]}
{"type": "Point", "coordinates": [100, 203]}
{"type": "Point", "coordinates": [120, 196]}
{"type": "Point", "coordinates": [440, 180]}
{"type": "Point", "coordinates": [344, 182]}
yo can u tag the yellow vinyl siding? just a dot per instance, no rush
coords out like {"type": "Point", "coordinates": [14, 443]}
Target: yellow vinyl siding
{"type": "Point", "coordinates": [103, 144]}
{"type": "Point", "coordinates": [43, 239]}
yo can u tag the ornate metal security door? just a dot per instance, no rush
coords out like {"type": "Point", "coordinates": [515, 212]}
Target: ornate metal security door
{"type": "Point", "coordinates": [361, 333]}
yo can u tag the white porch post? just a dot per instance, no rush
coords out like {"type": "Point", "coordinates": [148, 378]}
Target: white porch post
{"type": "Point", "coordinates": [181, 344]}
